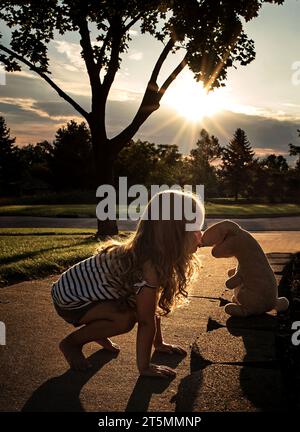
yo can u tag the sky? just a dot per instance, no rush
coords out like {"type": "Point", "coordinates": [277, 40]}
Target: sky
{"type": "Point", "coordinates": [263, 98]}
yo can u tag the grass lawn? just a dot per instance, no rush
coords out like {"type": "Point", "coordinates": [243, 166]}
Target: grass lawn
{"type": "Point", "coordinates": [212, 209]}
{"type": "Point", "coordinates": [32, 253]}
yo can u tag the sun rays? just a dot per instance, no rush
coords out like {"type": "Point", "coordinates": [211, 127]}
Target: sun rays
{"type": "Point", "coordinates": [191, 101]}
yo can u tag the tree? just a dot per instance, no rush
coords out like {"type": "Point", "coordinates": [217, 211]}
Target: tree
{"type": "Point", "coordinates": [9, 161]}
{"type": "Point", "coordinates": [70, 159]}
{"type": "Point", "coordinates": [34, 162]}
{"type": "Point", "coordinates": [273, 178]}
{"type": "Point", "coordinates": [294, 174]}
{"type": "Point", "coordinates": [295, 151]}
{"type": "Point", "coordinates": [169, 166]}
{"type": "Point", "coordinates": [206, 152]}
{"type": "Point", "coordinates": [209, 32]}
{"type": "Point", "coordinates": [137, 161]}
{"type": "Point", "coordinates": [146, 163]}
{"type": "Point", "coordinates": [237, 162]}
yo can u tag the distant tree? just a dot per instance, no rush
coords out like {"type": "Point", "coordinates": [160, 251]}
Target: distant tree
{"type": "Point", "coordinates": [9, 161]}
{"type": "Point", "coordinates": [169, 166]}
{"type": "Point", "coordinates": [70, 158]}
{"type": "Point", "coordinates": [273, 178]}
{"type": "Point", "coordinates": [294, 174]}
{"type": "Point", "coordinates": [275, 163]}
{"type": "Point", "coordinates": [237, 163]}
{"type": "Point", "coordinates": [37, 153]}
{"type": "Point", "coordinates": [209, 32]}
{"type": "Point", "coordinates": [34, 160]}
{"type": "Point", "coordinates": [137, 161]}
{"type": "Point", "coordinates": [147, 163]}
{"type": "Point", "coordinates": [206, 152]}
{"type": "Point", "coordinates": [295, 151]}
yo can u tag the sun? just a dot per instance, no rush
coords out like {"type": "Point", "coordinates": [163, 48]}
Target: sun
{"type": "Point", "coordinates": [192, 101]}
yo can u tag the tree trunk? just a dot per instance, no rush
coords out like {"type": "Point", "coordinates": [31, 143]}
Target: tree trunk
{"type": "Point", "coordinates": [103, 162]}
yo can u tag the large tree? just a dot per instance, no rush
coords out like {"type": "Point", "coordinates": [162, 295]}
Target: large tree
{"type": "Point", "coordinates": [209, 33]}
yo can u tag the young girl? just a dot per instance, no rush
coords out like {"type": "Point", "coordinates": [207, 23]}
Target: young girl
{"type": "Point", "coordinates": [132, 281]}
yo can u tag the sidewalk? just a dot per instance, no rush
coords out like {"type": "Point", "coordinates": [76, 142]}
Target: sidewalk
{"type": "Point", "coordinates": [230, 366]}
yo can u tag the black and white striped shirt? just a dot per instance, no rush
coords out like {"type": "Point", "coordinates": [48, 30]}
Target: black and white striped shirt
{"type": "Point", "coordinates": [96, 278]}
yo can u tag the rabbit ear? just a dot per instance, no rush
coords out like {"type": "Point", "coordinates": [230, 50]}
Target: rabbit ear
{"type": "Point", "coordinates": [218, 232]}
{"type": "Point", "coordinates": [214, 235]}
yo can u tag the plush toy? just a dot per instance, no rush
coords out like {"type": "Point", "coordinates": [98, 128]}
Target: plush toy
{"type": "Point", "coordinates": [253, 280]}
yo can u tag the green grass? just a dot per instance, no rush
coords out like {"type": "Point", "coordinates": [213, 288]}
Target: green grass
{"type": "Point", "coordinates": [212, 209]}
{"type": "Point", "coordinates": [53, 210]}
{"type": "Point", "coordinates": [252, 210]}
{"type": "Point", "coordinates": [28, 253]}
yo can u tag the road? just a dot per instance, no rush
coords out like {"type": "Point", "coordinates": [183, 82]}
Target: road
{"type": "Point", "coordinates": [257, 224]}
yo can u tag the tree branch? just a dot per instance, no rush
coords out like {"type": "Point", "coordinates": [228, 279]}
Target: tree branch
{"type": "Point", "coordinates": [151, 98]}
{"type": "Point", "coordinates": [60, 92]}
{"type": "Point", "coordinates": [132, 22]}
{"type": "Point", "coordinates": [161, 59]}
{"type": "Point", "coordinates": [102, 50]}
{"type": "Point", "coordinates": [172, 76]}
{"type": "Point", "coordinates": [108, 35]}
{"type": "Point", "coordinates": [86, 44]}
{"type": "Point", "coordinates": [113, 64]}
{"type": "Point", "coordinates": [149, 104]}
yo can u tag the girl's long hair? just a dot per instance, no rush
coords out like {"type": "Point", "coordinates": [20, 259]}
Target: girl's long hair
{"type": "Point", "coordinates": [163, 243]}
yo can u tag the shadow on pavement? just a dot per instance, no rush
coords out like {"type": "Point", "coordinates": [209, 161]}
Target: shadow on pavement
{"type": "Point", "coordinates": [145, 387]}
{"type": "Point", "coordinates": [260, 377]}
{"type": "Point", "coordinates": [61, 393]}
{"type": "Point", "coordinates": [190, 385]}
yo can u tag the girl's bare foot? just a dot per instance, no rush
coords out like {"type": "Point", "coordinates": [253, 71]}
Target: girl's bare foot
{"type": "Point", "coordinates": [74, 356]}
{"type": "Point", "coordinates": [108, 344]}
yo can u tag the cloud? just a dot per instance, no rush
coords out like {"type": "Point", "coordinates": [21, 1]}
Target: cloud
{"type": "Point", "coordinates": [72, 52]}
{"type": "Point", "coordinates": [133, 33]}
{"type": "Point", "coordinates": [70, 68]}
{"type": "Point", "coordinates": [34, 112]}
{"type": "Point", "coordinates": [42, 110]}
{"type": "Point", "coordinates": [136, 56]}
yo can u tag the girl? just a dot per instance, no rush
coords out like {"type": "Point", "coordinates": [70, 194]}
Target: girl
{"type": "Point", "coordinates": [136, 280]}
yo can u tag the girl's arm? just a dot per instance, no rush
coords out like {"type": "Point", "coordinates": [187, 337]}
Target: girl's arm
{"type": "Point", "coordinates": [161, 346]}
{"type": "Point", "coordinates": [146, 302]}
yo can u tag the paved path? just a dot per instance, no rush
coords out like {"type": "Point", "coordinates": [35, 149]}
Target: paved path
{"type": "Point", "coordinates": [230, 364]}
{"type": "Point", "coordinates": [259, 224]}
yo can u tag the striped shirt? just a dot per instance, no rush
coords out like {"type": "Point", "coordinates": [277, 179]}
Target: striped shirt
{"type": "Point", "coordinates": [94, 279]}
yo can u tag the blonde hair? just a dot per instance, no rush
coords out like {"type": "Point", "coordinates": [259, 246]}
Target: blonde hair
{"type": "Point", "coordinates": [165, 244]}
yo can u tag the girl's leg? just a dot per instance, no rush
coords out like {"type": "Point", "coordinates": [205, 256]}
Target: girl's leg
{"type": "Point", "coordinates": [101, 322]}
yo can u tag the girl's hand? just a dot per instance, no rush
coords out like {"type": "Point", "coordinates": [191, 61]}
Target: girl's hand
{"type": "Point", "coordinates": [169, 349]}
{"type": "Point", "coordinates": [159, 371]}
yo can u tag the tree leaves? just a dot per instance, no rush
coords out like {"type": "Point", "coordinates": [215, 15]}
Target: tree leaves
{"type": "Point", "coordinates": [211, 31]}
